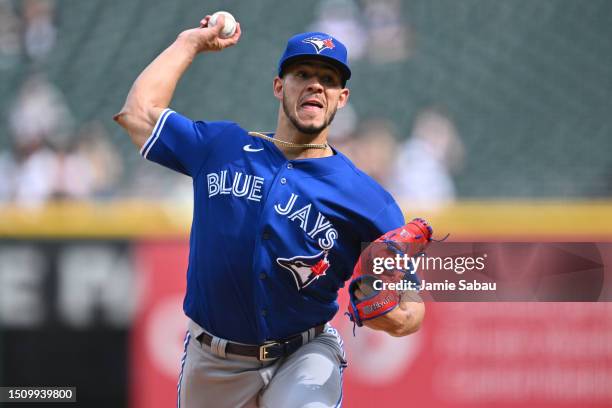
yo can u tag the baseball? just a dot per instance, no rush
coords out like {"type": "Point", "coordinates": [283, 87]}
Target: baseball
{"type": "Point", "coordinates": [229, 28]}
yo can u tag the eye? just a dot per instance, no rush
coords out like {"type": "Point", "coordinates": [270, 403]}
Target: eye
{"type": "Point", "coordinates": [328, 79]}
{"type": "Point", "coordinates": [301, 74]}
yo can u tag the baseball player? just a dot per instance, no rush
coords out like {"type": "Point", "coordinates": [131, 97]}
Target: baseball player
{"type": "Point", "coordinates": [277, 227]}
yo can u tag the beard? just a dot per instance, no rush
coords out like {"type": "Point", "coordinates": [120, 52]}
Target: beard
{"type": "Point", "coordinates": [307, 130]}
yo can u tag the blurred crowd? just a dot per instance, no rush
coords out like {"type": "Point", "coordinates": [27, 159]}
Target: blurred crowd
{"type": "Point", "coordinates": [49, 155]}
{"type": "Point", "coordinates": [418, 169]}
{"type": "Point", "coordinates": [382, 37]}
{"type": "Point", "coordinates": [27, 29]}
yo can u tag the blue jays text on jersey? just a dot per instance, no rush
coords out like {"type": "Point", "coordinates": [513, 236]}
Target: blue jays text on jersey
{"type": "Point", "coordinates": [272, 240]}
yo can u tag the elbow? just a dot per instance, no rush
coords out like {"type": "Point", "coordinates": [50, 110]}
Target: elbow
{"type": "Point", "coordinates": [122, 118]}
{"type": "Point", "coordinates": [134, 124]}
{"type": "Point", "coordinates": [117, 117]}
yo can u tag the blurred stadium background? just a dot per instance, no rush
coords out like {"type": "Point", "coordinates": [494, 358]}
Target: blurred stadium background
{"type": "Point", "coordinates": [492, 118]}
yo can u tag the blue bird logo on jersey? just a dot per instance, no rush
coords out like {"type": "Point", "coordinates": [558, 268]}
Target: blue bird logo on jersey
{"type": "Point", "coordinates": [305, 269]}
{"type": "Point", "coordinates": [320, 44]}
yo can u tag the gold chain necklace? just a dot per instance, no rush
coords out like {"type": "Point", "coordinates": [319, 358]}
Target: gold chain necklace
{"type": "Point", "coordinates": [290, 144]}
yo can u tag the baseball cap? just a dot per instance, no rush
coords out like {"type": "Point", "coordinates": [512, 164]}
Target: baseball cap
{"type": "Point", "coordinates": [316, 45]}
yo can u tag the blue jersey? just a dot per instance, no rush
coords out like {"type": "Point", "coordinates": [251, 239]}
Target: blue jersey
{"type": "Point", "coordinates": [272, 240]}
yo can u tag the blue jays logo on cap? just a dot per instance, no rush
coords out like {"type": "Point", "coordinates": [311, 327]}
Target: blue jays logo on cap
{"type": "Point", "coordinates": [320, 44]}
{"type": "Point", "coordinates": [316, 45]}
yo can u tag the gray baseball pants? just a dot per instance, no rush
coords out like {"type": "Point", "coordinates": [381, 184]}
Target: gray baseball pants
{"type": "Point", "coordinates": [309, 378]}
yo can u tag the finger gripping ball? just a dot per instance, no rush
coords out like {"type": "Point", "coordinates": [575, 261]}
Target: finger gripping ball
{"type": "Point", "coordinates": [229, 28]}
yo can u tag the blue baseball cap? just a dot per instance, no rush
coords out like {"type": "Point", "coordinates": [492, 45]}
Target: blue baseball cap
{"type": "Point", "coordinates": [316, 45]}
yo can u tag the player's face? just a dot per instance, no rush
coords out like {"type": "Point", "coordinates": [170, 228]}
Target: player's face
{"type": "Point", "coordinates": [311, 92]}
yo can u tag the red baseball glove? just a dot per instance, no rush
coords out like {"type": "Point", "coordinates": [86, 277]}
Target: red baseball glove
{"type": "Point", "coordinates": [367, 302]}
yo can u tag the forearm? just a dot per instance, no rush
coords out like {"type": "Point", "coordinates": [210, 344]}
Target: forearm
{"type": "Point", "coordinates": [155, 86]}
{"type": "Point", "coordinates": [405, 319]}
{"type": "Point", "coordinates": [152, 91]}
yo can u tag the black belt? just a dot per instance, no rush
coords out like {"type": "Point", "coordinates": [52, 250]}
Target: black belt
{"type": "Point", "coordinates": [264, 352]}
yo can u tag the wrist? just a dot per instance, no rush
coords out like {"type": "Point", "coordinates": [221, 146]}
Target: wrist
{"type": "Point", "coordinates": [187, 45]}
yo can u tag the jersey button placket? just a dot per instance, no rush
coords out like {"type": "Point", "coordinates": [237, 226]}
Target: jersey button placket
{"type": "Point", "coordinates": [266, 235]}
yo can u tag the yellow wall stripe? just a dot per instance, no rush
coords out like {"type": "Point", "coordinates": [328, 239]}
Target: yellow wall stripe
{"type": "Point", "coordinates": [584, 220]}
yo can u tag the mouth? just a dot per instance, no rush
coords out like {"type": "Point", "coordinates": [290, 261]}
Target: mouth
{"type": "Point", "coordinates": [312, 105]}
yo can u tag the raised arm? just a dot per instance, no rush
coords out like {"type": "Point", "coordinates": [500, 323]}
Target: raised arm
{"type": "Point", "coordinates": [152, 91]}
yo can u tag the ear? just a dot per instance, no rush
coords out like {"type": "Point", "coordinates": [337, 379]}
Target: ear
{"type": "Point", "coordinates": [277, 87]}
{"type": "Point", "coordinates": [343, 98]}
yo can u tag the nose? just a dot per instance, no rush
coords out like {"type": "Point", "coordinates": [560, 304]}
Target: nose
{"type": "Point", "coordinates": [314, 85]}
